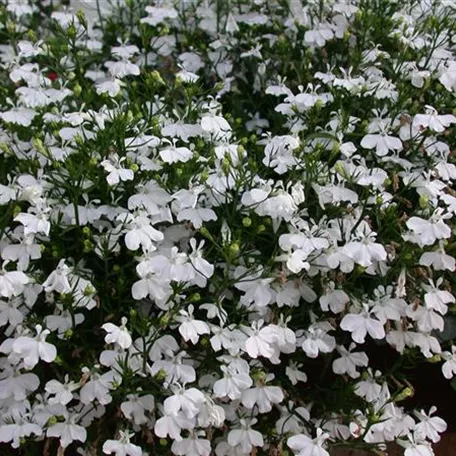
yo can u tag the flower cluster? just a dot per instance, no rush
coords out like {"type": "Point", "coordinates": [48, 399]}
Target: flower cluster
{"type": "Point", "coordinates": [214, 213]}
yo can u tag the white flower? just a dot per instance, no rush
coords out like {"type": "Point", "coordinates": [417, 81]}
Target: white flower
{"type": "Point", "coordinates": [192, 446]}
{"type": "Point", "coordinates": [12, 283]}
{"type": "Point", "coordinates": [429, 426]}
{"type": "Point", "coordinates": [317, 339]}
{"type": "Point", "coordinates": [232, 384]}
{"type": "Point", "coordinates": [260, 341]}
{"type": "Point", "coordinates": [122, 447]}
{"type": "Point", "coordinates": [305, 446]}
{"type": "Point", "coordinates": [118, 335]}
{"type": "Point", "coordinates": [19, 429]}
{"type": "Point", "coordinates": [188, 401]}
{"type": "Point", "coordinates": [63, 392]}
{"type": "Point", "coordinates": [433, 121]}
{"type": "Point", "coordinates": [191, 329]}
{"type": "Point", "coordinates": [427, 232]}
{"type": "Point", "coordinates": [142, 233]}
{"type": "Point", "coordinates": [68, 432]}
{"type": "Point", "coordinates": [135, 407]}
{"type": "Point", "coordinates": [117, 173]}
{"type": "Point", "coordinates": [172, 425]}
{"type": "Point", "coordinates": [98, 388]}
{"type": "Point", "coordinates": [365, 251]}
{"type": "Point", "coordinates": [361, 324]}
{"type": "Point", "coordinates": [17, 386]}
{"type": "Point", "coordinates": [449, 366]}
{"type": "Point", "coordinates": [382, 143]}
{"type": "Point", "coordinates": [263, 396]}
{"type": "Point", "coordinates": [349, 361]}
{"type": "Point", "coordinates": [34, 223]}
{"type": "Point", "coordinates": [31, 350]}
{"type": "Point", "coordinates": [58, 279]}
{"type": "Point", "coordinates": [245, 437]}
{"type": "Point", "coordinates": [174, 154]}
{"type": "Point", "coordinates": [436, 299]}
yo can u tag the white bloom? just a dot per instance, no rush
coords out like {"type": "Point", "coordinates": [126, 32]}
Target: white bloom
{"type": "Point", "coordinates": [449, 366]}
{"type": "Point", "coordinates": [12, 283]}
{"type": "Point", "coordinates": [361, 324]}
{"type": "Point", "coordinates": [117, 173]}
{"type": "Point", "coordinates": [31, 350]}
{"type": "Point", "coordinates": [429, 426]}
{"type": "Point", "coordinates": [122, 447]}
{"type": "Point", "coordinates": [191, 329]}
{"type": "Point", "coordinates": [68, 432]}
{"type": "Point", "coordinates": [245, 437]}
{"type": "Point", "coordinates": [118, 335]}
{"type": "Point", "coordinates": [305, 446]}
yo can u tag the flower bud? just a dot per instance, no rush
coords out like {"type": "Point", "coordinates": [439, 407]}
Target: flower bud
{"type": "Point", "coordinates": [161, 375]}
{"type": "Point", "coordinates": [247, 222]}
{"type": "Point", "coordinates": [205, 232]}
{"type": "Point", "coordinates": [434, 359]}
{"type": "Point", "coordinates": [424, 201]}
{"type": "Point", "coordinates": [77, 90]}
{"type": "Point", "coordinates": [406, 393]}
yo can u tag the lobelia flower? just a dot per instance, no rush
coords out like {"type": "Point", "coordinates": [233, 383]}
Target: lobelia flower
{"type": "Point", "coordinates": [429, 426]}
{"type": "Point", "coordinates": [118, 335]}
{"type": "Point", "coordinates": [188, 401]}
{"type": "Point", "coordinates": [98, 387]}
{"type": "Point", "coordinates": [204, 270]}
{"type": "Point", "coordinates": [117, 173]}
{"type": "Point", "coordinates": [135, 406]}
{"type": "Point", "coordinates": [334, 299]}
{"type": "Point", "coordinates": [151, 284]}
{"type": "Point", "coordinates": [22, 253]}
{"type": "Point", "coordinates": [123, 446]}
{"type": "Point", "coordinates": [141, 233]}
{"type": "Point", "coordinates": [368, 388]}
{"type": "Point", "coordinates": [302, 445]}
{"type": "Point", "coordinates": [172, 425]}
{"type": "Point", "coordinates": [193, 445]}
{"type": "Point", "coordinates": [19, 429]}
{"type": "Point", "coordinates": [349, 361]}
{"type": "Point", "coordinates": [415, 446]}
{"type": "Point", "coordinates": [449, 366]}
{"type": "Point", "coordinates": [68, 432]}
{"type": "Point", "coordinates": [427, 232]}
{"type": "Point", "coordinates": [232, 384]}
{"type": "Point", "coordinates": [58, 280]}
{"type": "Point", "coordinates": [262, 396]}
{"type": "Point", "coordinates": [16, 385]}
{"type": "Point", "coordinates": [436, 299]}
{"type": "Point", "coordinates": [9, 312]}
{"type": "Point", "coordinates": [294, 374]}
{"type": "Point", "coordinates": [191, 329]}
{"type": "Point", "coordinates": [317, 339]}
{"type": "Point", "coordinates": [260, 341]}
{"type": "Point", "coordinates": [12, 283]}
{"type": "Point", "coordinates": [62, 392]}
{"type": "Point", "coordinates": [365, 251]}
{"type": "Point", "coordinates": [433, 120]}
{"type": "Point", "coordinates": [35, 223]}
{"type": "Point", "coordinates": [362, 324]}
{"type": "Point", "coordinates": [31, 350]}
{"type": "Point", "coordinates": [245, 437]}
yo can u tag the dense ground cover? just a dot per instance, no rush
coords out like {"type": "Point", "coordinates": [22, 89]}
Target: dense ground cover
{"type": "Point", "coordinates": [218, 219]}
